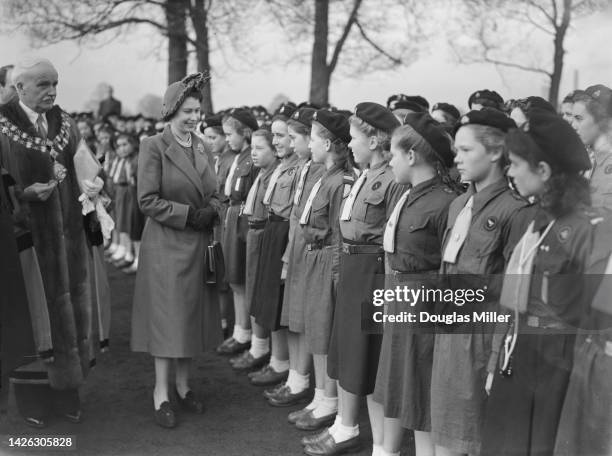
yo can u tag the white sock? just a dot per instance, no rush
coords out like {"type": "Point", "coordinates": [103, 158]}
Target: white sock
{"type": "Point", "coordinates": [327, 406]}
{"type": "Point", "coordinates": [343, 433]}
{"type": "Point", "coordinates": [334, 427]}
{"type": "Point", "coordinates": [260, 346]}
{"type": "Point", "coordinates": [241, 335]}
{"type": "Point", "coordinates": [119, 253]}
{"type": "Point", "coordinates": [129, 256]}
{"type": "Point", "coordinates": [297, 382]}
{"type": "Point", "coordinates": [277, 365]}
{"type": "Point", "coordinates": [377, 450]}
{"type": "Point", "coordinates": [318, 395]}
{"type": "Point", "coordinates": [113, 248]}
{"type": "Point", "coordinates": [386, 453]}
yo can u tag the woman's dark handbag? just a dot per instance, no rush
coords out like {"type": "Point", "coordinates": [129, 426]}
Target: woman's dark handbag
{"type": "Point", "coordinates": [214, 264]}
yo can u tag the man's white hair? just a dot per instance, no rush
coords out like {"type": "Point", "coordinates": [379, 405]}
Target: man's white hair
{"type": "Point", "coordinates": [27, 64]}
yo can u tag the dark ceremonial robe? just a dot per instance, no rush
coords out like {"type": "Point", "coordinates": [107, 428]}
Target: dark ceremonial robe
{"type": "Point", "coordinates": [57, 233]}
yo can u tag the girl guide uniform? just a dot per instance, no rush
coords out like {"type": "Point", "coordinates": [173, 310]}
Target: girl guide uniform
{"type": "Point", "coordinates": [320, 229]}
{"type": "Point", "coordinates": [306, 175]}
{"type": "Point", "coordinates": [482, 228]}
{"type": "Point", "coordinates": [586, 420]}
{"type": "Point", "coordinates": [546, 290]}
{"type": "Point", "coordinates": [353, 355]}
{"type": "Point", "coordinates": [267, 299]}
{"type": "Point", "coordinates": [413, 244]}
{"type": "Point", "coordinates": [238, 182]}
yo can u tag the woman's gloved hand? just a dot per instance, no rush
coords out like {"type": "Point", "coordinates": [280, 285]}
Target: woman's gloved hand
{"type": "Point", "coordinates": [201, 219]}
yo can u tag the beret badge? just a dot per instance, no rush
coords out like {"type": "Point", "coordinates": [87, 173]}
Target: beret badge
{"type": "Point", "coordinates": [314, 116]}
{"type": "Point", "coordinates": [296, 115]}
{"type": "Point", "coordinates": [597, 93]}
{"type": "Point", "coordinates": [465, 120]}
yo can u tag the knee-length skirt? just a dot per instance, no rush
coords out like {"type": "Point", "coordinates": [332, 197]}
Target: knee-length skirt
{"type": "Point", "coordinates": [124, 202]}
{"type": "Point", "coordinates": [267, 297]}
{"type": "Point", "coordinates": [586, 421]}
{"type": "Point", "coordinates": [317, 291]}
{"type": "Point", "coordinates": [353, 353]}
{"type": "Point", "coordinates": [253, 249]}
{"type": "Point", "coordinates": [292, 314]}
{"type": "Point", "coordinates": [234, 245]}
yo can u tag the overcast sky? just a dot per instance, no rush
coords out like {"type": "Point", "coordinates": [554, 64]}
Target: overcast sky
{"type": "Point", "coordinates": [134, 70]}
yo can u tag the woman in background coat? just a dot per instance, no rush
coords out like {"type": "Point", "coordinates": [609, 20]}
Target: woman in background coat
{"type": "Point", "coordinates": [173, 317]}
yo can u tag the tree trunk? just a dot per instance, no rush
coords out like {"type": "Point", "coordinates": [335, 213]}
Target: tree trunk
{"type": "Point", "coordinates": [319, 70]}
{"type": "Point", "coordinates": [560, 31]}
{"type": "Point", "coordinates": [177, 39]}
{"type": "Point", "coordinates": [199, 18]}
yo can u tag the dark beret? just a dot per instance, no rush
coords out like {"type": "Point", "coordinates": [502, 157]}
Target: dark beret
{"type": "Point", "coordinates": [602, 95]}
{"type": "Point", "coordinates": [335, 122]}
{"type": "Point", "coordinates": [448, 108]}
{"type": "Point", "coordinates": [377, 115]}
{"type": "Point", "coordinates": [489, 117]}
{"type": "Point", "coordinates": [558, 142]}
{"type": "Point", "coordinates": [493, 98]}
{"type": "Point", "coordinates": [435, 135]}
{"type": "Point", "coordinates": [286, 109]}
{"type": "Point", "coordinates": [245, 117]}
{"type": "Point", "coordinates": [304, 116]}
{"type": "Point", "coordinates": [415, 103]}
{"type": "Point", "coordinates": [211, 120]}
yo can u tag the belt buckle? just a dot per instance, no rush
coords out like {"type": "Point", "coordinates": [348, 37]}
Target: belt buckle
{"type": "Point", "coordinates": [608, 348]}
{"type": "Point", "coordinates": [346, 249]}
{"type": "Point", "coordinates": [533, 321]}
{"type": "Point", "coordinates": [309, 247]}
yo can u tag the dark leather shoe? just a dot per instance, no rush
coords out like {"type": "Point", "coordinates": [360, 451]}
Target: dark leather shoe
{"type": "Point", "coordinates": [284, 397]}
{"type": "Point", "coordinates": [294, 416]}
{"type": "Point", "coordinates": [314, 438]}
{"type": "Point", "coordinates": [74, 417]}
{"type": "Point", "coordinates": [37, 423]}
{"type": "Point", "coordinates": [247, 362]}
{"type": "Point", "coordinates": [231, 347]}
{"type": "Point", "coordinates": [164, 416]}
{"type": "Point", "coordinates": [328, 446]}
{"type": "Point", "coordinates": [258, 372]}
{"type": "Point", "coordinates": [269, 377]}
{"type": "Point", "coordinates": [272, 391]}
{"type": "Point", "coordinates": [308, 422]}
{"type": "Point", "coordinates": [190, 403]}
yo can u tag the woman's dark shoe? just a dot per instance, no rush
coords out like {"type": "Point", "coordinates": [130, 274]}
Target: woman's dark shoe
{"type": "Point", "coordinates": [164, 416]}
{"type": "Point", "coordinates": [191, 403]}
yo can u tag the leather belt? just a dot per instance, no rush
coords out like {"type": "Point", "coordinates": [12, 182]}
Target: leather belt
{"type": "Point", "coordinates": [257, 224]}
{"type": "Point", "coordinates": [544, 322]}
{"type": "Point", "coordinates": [316, 245]}
{"type": "Point", "coordinates": [276, 218]}
{"type": "Point", "coordinates": [357, 249]}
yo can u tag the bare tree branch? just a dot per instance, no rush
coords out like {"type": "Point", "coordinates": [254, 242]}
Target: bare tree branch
{"type": "Point", "coordinates": [347, 29]}
{"type": "Point", "coordinates": [394, 60]}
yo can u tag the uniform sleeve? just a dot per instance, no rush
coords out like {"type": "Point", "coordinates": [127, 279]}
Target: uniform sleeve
{"type": "Point", "coordinates": [515, 228]}
{"type": "Point", "coordinates": [169, 213]}
{"type": "Point", "coordinates": [335, 204]}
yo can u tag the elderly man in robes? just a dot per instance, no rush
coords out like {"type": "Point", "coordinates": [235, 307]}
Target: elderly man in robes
{"type": "Point", "coordinates": [37, 143]}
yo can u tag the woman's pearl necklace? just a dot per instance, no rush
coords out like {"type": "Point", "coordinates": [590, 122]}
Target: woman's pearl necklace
{"type": "Point", "coordinates": [181, 141]}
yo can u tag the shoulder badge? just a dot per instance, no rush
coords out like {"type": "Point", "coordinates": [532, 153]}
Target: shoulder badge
{"type": "Point", "coordinates": [376, 185]}
{"type": "Point", "coordinates": [291, 171]}
{"type": "Point", "coordinates": [491, 223]}
{"type": "Point", "coordinates": [564, 233]}
{"type": "Point", "coordinates": [200, 148]}
{"type": "Point", "coordinates": [608, 169]}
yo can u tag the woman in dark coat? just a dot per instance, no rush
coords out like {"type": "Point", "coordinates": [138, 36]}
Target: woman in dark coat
{"type": "Point", "coordinates": [173, 318]}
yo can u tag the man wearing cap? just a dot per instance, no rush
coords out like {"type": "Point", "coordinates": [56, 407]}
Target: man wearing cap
{"type": "Point", "coordinates": [37, 145]}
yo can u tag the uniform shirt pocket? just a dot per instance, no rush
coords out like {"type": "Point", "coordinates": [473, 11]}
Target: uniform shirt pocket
{"type": "Point", "coordinates": [375, 211]}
